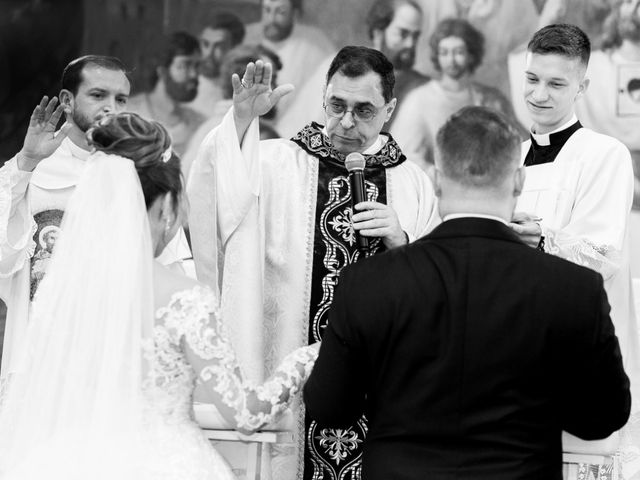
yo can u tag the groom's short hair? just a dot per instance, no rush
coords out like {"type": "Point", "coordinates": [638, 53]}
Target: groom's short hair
{"type": "Point", "coordinates": [478, 146]}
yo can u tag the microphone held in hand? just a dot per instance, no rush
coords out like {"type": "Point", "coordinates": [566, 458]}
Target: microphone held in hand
{"type": "Point", "coordinates": [355, 163]}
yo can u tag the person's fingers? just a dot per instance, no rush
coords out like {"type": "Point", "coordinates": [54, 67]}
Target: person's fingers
{"type": "Point", "coordinates": [369, 224]}
{"type": "Point", "coordinates": [55, 116]}
{"type": "Point", "coordinates": [236, 83]}
{"type": "Point", "coordinates": [370, 206]}
{"type": "Point", "coordinates": [259, 72]}
{"type": "Point", "coordinates": [36, 116]}
{"type": "Point", "coordinates": [50, 108]}
{"type": "Point", "coordinates": [43, 102]}
{"type": "Point", "coordinates": [366, 215]}
{"type": "Point", "coordinates": [249, 74]}
{"type": "Point", "coordinates": [519, 217]}
{"type": "Point", "coordinates": [267, 74]}
{"type": "Point", "coordinates": [516, 228]}
{"type": "Point", "coordinates": [374, 232]}
{"type": "Point", "coordinates": [38, 113]}
{"type": "Point", "coordinates": [280, 92]}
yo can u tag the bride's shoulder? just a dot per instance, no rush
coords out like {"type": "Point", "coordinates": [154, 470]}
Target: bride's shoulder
{"type": "Point", "coordinates": [178, 294]}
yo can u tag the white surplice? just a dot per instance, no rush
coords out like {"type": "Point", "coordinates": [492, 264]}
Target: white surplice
{"type": "Point", "coordinates": [584, 198]}
{"type": "Point", "coordinates": [42, 194]}
{"type": "Point", "coordinates": [252, 227]}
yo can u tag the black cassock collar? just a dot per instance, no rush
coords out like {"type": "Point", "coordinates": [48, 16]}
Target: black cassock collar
{"type": "Point", "coordinates": [539, 154]}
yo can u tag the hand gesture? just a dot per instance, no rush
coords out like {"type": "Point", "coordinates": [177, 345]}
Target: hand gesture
{"type": "Point", "coordinates": [527, 227]}
{"type": "Point", "coordinates": [379, 220]}
{"type": "Point", "coordinates": [40, 141]}
{"type": "Point", "coordinates": [253, 95]}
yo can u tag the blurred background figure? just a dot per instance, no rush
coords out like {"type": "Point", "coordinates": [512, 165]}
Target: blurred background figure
{"type": "Point", "coordinates": [221, 32]}
{"type": "Point", "coordinates": [176, 83]}
{"type": "Point", "coordinates": [433, 12]}
{"type": "Point", "coordinates": [301, 48]}
{"type": "Point", "coordinates": [505, 25]}
{"type": "Point", "coordinates": [235, 61]}
{"type": "Point", "coordinates": [394, 28]}
{"type": "Point", "coordinates": [457, 51]}
{"type": "Point", "coordinates": [609, 106]}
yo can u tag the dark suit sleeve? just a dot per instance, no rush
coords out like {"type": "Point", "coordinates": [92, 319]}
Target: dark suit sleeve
{"type": "Point", "coordinates": [334, 394]}
{"type": "Point", "coordinates": [599, 402]}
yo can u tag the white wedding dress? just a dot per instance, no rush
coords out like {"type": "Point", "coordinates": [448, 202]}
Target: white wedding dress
{"type": "Point", "coordinates": [192, 319]}
{"type": "Point", "coordinates": [103, 385]}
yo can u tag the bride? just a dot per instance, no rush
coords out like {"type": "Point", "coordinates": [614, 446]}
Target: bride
{"type": "Point", "coordinates": [117, 342]}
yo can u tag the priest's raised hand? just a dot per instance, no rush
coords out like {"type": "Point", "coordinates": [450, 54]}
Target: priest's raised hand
{"type": "Point", "coordinates": [41, 139]}
{"type": "Point", "coordinates": [254, 95]}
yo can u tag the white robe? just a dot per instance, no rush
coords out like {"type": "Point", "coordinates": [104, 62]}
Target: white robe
{"type": "Point", "coordinates": [23, 195]}
{"type": "Point", "coordinates": [584, 198]}
{"type": "Point", "coordinates": [259, 202]}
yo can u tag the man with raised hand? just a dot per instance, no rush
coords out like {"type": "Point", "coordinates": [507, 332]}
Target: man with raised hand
{"type": "Point", "coordinates": [272, 223]}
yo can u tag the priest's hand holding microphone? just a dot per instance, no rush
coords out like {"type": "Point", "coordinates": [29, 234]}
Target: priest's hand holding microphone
{"type": "Point", "coordinates": [371, 219]}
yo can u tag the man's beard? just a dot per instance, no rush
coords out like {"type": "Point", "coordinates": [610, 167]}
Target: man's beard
{"type": "Point", "coordinates": [276, 33]}
{"type": "Point", "coordinates": [182, 92]}
{"type": "Point", "coordinates": [83, 122]}
{"type": "Point", "coordinates": [402, 59]}
{"type": "Point", "coordinates": [629, 28]}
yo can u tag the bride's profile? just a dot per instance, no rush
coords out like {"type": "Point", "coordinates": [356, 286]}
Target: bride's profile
{"type": "Point", "coordinates": [117, 343]}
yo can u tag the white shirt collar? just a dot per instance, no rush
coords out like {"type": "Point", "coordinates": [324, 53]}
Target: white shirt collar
{"type": "Point", "coordinates": [544, 139]}
{"type": "Point", "coordinates": [63, 168]}
{"type": "Point", "coordinates": [453, 216]}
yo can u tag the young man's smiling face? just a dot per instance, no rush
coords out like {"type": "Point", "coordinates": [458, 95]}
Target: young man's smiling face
{"type": "Point", "coordinates": [552, 84]}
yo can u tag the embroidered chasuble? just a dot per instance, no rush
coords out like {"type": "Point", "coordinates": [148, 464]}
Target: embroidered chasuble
{"type": "Point", "coordinates": [540, 154]}
{"type": "Point", "coordinates": [337, 453]}
{"type": "Point", "coordinates": [280, 212]}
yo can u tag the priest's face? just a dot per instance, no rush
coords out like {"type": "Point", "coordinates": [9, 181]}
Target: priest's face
{"type": "Point", "coordinates": [355, 111]}
{"type": "Point", "coordinates": [552, 85]}
{"type": "Point", "coordinates": [101, 92]}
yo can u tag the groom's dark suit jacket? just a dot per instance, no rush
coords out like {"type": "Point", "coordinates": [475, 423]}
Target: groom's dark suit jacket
{"type": "Point", "coordinates": [469, 352]}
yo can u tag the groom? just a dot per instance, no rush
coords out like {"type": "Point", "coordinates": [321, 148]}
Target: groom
{"type": "Point", "coordinates": [468, 360]}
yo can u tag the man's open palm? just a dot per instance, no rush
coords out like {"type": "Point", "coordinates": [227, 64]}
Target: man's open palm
{"type": "Point", "coordinates": [40, 141]}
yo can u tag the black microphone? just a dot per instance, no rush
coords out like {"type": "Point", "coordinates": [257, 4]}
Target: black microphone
{"type": "Point", "coordinates": [355, 163]}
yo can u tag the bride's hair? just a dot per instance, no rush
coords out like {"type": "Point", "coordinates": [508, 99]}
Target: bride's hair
{"type": "Point", "coordinates": [148, 145]}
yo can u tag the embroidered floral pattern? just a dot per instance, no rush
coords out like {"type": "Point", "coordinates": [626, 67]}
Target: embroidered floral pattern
{"type": "Point", "coordinates": [343, 226]}
{"type": "Point", "coordinates": [334, 248]}
{"type": "Point", "coordinates": [338, 443]}
{"type": "Point", "coordinates": [316, 143]}
{"type": "Point", "coordinates": [604, 259]}
{"type": "Point", "coordinates": [192, 319]}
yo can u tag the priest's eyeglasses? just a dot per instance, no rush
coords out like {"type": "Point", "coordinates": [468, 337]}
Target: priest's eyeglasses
{"type": "Point", "coordinates": [362, 113]}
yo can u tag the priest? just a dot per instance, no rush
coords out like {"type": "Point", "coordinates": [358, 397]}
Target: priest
{"type": "Point", "coordinates": [273, 224]}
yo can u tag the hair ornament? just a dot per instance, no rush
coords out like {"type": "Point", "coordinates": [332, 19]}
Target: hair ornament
{"type": "Point", "coordinates": [166, 156]}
